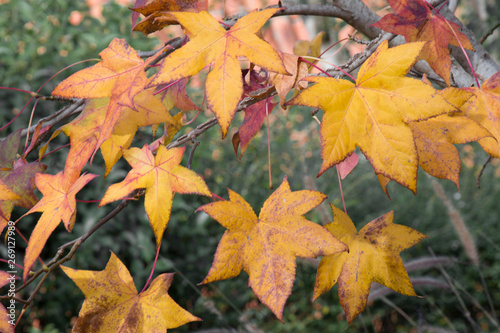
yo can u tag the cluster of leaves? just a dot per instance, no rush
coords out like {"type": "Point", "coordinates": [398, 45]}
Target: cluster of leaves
{"type": "Point", "coordinates": [399, 123]}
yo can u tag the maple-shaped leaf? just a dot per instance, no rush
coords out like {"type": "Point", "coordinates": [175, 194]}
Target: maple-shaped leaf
{"type": "Point", "coordinates": [373, 257]}
{"type": "Point", "coordinates": [483, 108]}
{"type": "Point", "coordinates": [157, 11]}
{"type": "Point", "coordinates": [255, 113]}
{"type": "Point", "coordinates": [210, 44]}
{"type": "Point", "coordinates": [84, 130]}
{"type": "Point", "coordinates": [120, 75]}
{"type": "Point", "coordinates": [57, 204]}
{"type": "Point", "coordinates": [161, 176]}
{"type": "Point", "coordinates": [7, 320]}
{"type": "Point", "coordinates": [112, 303]}
{"type": "Point", "coordinates": [266, 247]}
{"type": "Point", "coordinates": [435, 138]}
{"type": "Point", "coordinates": [373, 113]}
{"type": "Point", "coordinates": [416, 22]}
{"type": "Point", "coordinates": [16, 179]}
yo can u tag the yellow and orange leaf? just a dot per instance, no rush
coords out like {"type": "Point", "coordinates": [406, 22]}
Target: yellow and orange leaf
{"type": "Point", "coordinates": [148, 111]}
{"type": "Point", "coordinates": [266, 247]}
{"type": "Point", "coordinates": [416, 22]}
{"type": "Point", "coordinates": [120, 75]}
{"type": "Point", "coordinates": [112, 303]}
{"type": "Point", "coordinates": [435, 138]}
{"type": "Point", "coordinates": [58, 204]}
{"type": "Point", "coordinates": [373, 257]}
{"type": "Point", "coordinates": [161, 176]}
{"type": "Point", "coordinates": [483, 108]}
{"type": "Point", "coordinates": [374, 113]}
{"type": "Point", "coordinates": [212, 44]}
{"type": "Point", "coordinates": [284, 83]}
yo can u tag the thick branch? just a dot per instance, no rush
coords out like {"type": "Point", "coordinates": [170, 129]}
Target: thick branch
{"type": "Point", "coordinates": [357, 14]}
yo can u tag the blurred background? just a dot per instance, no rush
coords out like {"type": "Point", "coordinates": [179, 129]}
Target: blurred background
{"type": "Point", "coordinates": [456, 272]}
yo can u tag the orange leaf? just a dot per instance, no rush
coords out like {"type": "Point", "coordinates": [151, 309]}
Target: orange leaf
{"type": "Point", "coordinates": [156, 10]}
{"type": "Point", "coordinates": [161, 176]}
{"type": "Point", "coordinates": [211, 43]}
{"type": "Point", "coordinates": [266, 247]}
{"type": "Point", "coordinates": [483, 108]}
{"type": "Point", "coordinates": [373, 257]}
{"type": "Point", "coordinates": [374, 113]}
{"type": "Point", "coordinates": [120, 75]}
{"type": "Point", "coordinates": [58, 204]}
{"type": "Point", "coordinates": [416, 22]}
{"type": "Point", "coordinates": [112, 303]}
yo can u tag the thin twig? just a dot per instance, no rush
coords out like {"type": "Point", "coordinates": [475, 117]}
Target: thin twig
{"type": "Point", "coordinates": [76, 106]}
{"type": "Point", "coordinates": [489, 33]}
{"type": "Point", "coordinates": [478, 178]}
{"type": "Point", "coordinates": [196, 143]}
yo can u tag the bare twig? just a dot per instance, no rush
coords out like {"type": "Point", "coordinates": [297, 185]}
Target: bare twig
{"type": "Point", "coordinates": [196, 143]}
{"type": "Point", "coordinates": [479, 175]}
{"type": "Point", "coordinates": [75, 107]}
{"type": "Point", "coordinates": [489, 33]}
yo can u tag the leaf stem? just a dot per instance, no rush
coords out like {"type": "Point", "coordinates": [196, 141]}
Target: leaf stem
{"type": "Point", "coordinates": [152, 269]}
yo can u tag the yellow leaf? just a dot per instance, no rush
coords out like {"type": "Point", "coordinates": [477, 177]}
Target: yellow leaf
{"type": "Point", "coordinates": [161, 176]}
{"type": "Point", "coordinates": [212, 44]}
{"type": "Point", "coordinates": [112, 303]}
{"type": "Point", "coordinates": [483, 108]}
{"type": "Point", "coordinates": [374, 113]}
{"type": "Point", "coordinates": [373, 257]}
{"type": "Point", "coordinates": [266, 247]}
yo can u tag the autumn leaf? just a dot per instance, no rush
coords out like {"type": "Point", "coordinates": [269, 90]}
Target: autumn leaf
{"type": "Point", "coordinates": [255, 113]}
{"type": "Point", "coordinates": [175, 96]}
{"type": "Point", "coordinates": [57, 204]}
{"type": "Point", "coordinates": [266, 247]}
{"type": "Point", "coordinates": [120, 75]}
{"type": "Point", "coordinates": [346, 166]}
{"type": "Point", "coordinates": [212, 44]}
{"type": "Point", "coordinates": [284, 83]}
{"type": "Point", "coordinates": [374, 113]}
{"type": "Point", "coordinates": [161, 176]}
{"type": "Point", "coordinates": [416, 22]}
{"type": "Point", "coordinates": [373, 257]}
{"type": "Point", "coordinates": [435, 138]}
{"type": "Point", "coordinates": [148, 111]}
{"type": "Point", "coordinates": [16, 179]}
{"type": "Point", "coordinates": [84, 131]}
{"type": "Point", "coordinates": [156, 11]}
{"type": "Point", "coordinates": [112, 303]}
{"type": "Point", "coordinates": [483, 108]}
